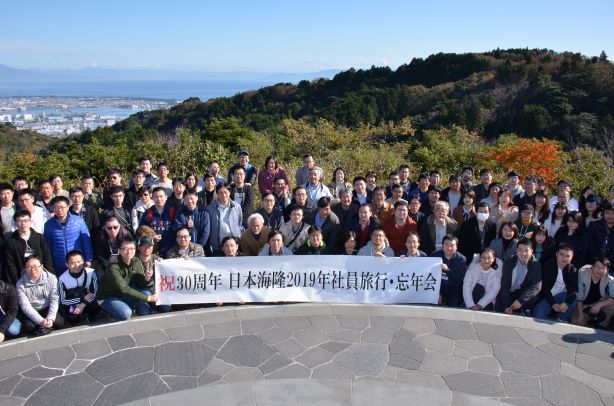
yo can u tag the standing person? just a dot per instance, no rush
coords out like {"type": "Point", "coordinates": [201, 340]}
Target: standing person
{"type": "Point", "coordinates": [24, 242]}
{"type": "Point", "coordinates": [601, 235]}
{"type": "Point", "coordinates": [226, 219]}
{"type": "Point", "coordinates": [361, 195]}
{"type": "Point", "coordinates": [453, 194]}
{"type": "Point", "coordinates": [482, 281]}
{"type": "Point", "coordinates": [207, 195]}
{"type": "Point", "coordinates": [124, 287]}
{"type": "Point", "coordinates": [453, 268]}
{"type": "Point", "coordinates": [559, 286]}
{"type": "Point", "coordinates": [160, 217]}
{"type": "Point", "coordinates": [270, 172]}
{"type": "Point", "coordinates": [77, 287]}
{"type": "Point", "coordinates": [327, 222]}
{"type": "Point", "coordinates": [574, 233]}
{"type": "Point", "coordinates": [527, 196]}
{"type": "Point", "coordinates": [380, 208]}
{"type": "Point", "coordinates": [38, 214]}
{"type": "Point", "coordinates": [242, 193]}
{"type": "Point", "coordinates": [299, 199]}
{"type": "Point", "coordinates": [163, 179]}
{"type": "Point", "coordinates": [195, 218]}
{"type": "Point", "coordinates": [67, 232]}
{"type": "Point", "coordinates": [315, 189]}
{"type": "Point", "coordinates": [363, 225]}
{"type": "Point", "coordinates": [37, 292]}
{"type": "Point", "coordinates": [505, 210]}
{"type": "Point", "coordinates": [251, 173]}
{"type": "Point", "coordinates": [513, 184]}
{"type": "Point", "coordinates": [273, 217]}
{"type": "Point", "coordinates": [405, 181]}
{"type": "Point", "coordinates": [295, 230]}
{"type": "Point", "coordinates": [377, 246]}
{"type": "Point", "coordinates": [422, 191]}
{"type": "Point", "coordinates": [90, 195]}
{"type": "Point", "coordinates": [345, 209]}
{"type": "Point", "coordinates": [131, 195]}
{"type": "Point", "coordinates": [80, 208]}
{"type": "Point", "coordinates": [7, 210]}
{"type": "Point", "coordinates": [521, 280]}
{"type": "Point", "coordinates": [339, 183]}
{"type": "Point", "coordinates": [176, 198]}
{"type": "Point", "coordinates": [506, 245]}
{"type": "Point", "coordinates": [10, 326]}
{"type": "Point", "coordinates": [302, 174]}
{"type": "Point", "coordinates": [399, 226]}
{"type": "Point", "coordinates": [542, 209]}
{"type": "Point", "coordinates": [213, 169]}
{"type": "Point", "coordinates": [114, 178]}
{"type": "Point", "coordinates": [465, 208]}
{"type": "Point", "coordinates": [145, 166]}
{"type": "Point", "coordinates": [467, 178]}
{"type": "Point", "coordinates": [119, 208]}
{"type": "Point", "coordinates": [57, 183]}
{"type": "Point", "coordinates": [107, 241]}
{"type": "Point", "coordinates": [281, 192]}
{"type": "Point", "coordinates": [481, 190]}
{"type": "Point", "coordinates": [477, 233]}
{"type": "Point", "coordinates": [141, 206]}
{"type": "Point", "coordinates": [371, 178]}
{"type": "Point", "coordinates": [414, 210]}
{"type": "Point", "coordinates": [45, 195]}
{"type": "Point", "coordinates": [436, 227]}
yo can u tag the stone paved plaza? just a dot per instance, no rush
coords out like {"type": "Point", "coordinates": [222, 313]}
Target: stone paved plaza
{"type": "Point", "coordinates": [317, 354]}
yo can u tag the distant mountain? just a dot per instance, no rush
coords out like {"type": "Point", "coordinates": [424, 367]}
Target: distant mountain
{"type": "Point", "coordinates": [9, 74]}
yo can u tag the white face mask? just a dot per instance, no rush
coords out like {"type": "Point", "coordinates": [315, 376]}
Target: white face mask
{"type": "Point", "coordinates": [482, 216]}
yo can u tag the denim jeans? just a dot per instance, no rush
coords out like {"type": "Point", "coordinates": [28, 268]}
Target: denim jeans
{"type": "Point", "coordinates": [543, 309]}
{"type": "Point", "coordinates": [120, 308]}
{"type": "Point", "coordinates": [14, 329]}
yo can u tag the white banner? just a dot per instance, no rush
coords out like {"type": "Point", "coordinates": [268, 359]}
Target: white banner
{"type": "Point", "coordinates": [309, 278]}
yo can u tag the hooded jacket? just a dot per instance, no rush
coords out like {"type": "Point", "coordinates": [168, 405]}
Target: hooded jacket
{"type": "Point", "coordinates": [369, 250]}
{"type": "Point", "coordinates": [37, 295]}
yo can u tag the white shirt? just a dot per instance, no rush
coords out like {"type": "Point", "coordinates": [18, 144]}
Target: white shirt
{"type": "Point", "coordinates": [559, 285]}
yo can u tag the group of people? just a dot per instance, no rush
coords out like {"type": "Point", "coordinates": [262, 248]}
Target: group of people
{"type": "Point", "coordinates": [509, 247]}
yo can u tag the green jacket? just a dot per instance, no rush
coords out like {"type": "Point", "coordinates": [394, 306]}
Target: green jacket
{"type": "Point", "coordinates": [121, 279]}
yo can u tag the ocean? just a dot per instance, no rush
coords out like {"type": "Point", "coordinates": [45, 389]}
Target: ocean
{"type": "Point", "coordinates": [159, 89]}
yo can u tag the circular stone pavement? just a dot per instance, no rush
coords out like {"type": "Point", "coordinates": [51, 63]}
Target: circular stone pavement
{"type": "Point", "coordinates": [317, 354]}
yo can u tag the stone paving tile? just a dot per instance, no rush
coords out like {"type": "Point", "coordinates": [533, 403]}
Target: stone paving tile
{"type": "Point", "coordinates": [40, 372]}
{"type": "Point", "coordinates": [522, 358]}
{"type": "Point", "coordinates": [607, 400]}
{"type": "Point", "coordinates": [122, 364]}
{"type": "Point", "coordinates": [496, 334]}
{"type": "Point", "coordinates": [290, 348]}
{"type": "Point", "coordinates": [324, 323]}
{"type": "Point", "coordinates": [92, 349]}
{"type": "Point", "coordinates": [219, 367]}
{"type": "Point", "coordinates": [419, 325]}
{"type": "Point", "coordinates": [58, 339]}
{"type": "Point", "coordinates": [376, 335]}
{"type": "Point", "coordinates": [57, 358]}
{"type": "Point", "coordinates": [420, 378]}
{"type": "Point", "coordinates": [215, 343]}
{"type": "Point", "coordinates": [558, 352]}
{"type": "Point", "coordinates": [8, 401]}
{"type": "Point", "coordinates": [61, 391]}
{"type": "Point", "coordinates": [294, 371]}
{"type": "Point", "coordinates": [526, 401]}
{"type": "Point", "coordinates": [77, 365]}
{"type": "Point", "coordinates": [226, 329]}
{"type": "Point", "coordinates": [346, 336]}
{"type": "Point", "coordinates": [439, 363]}
{"type": "Point", "coordinates": [471, 348]}
{"type": "Point", "coordinates": [389, 373]}
{"type": "Point", "coordinates": [150, 338]}
{"type": "Point", "coordinates": [487, 364]}
{"type": "Point", "coordinates": [256, 325]}
{"type": "Point", "coordinates": [533, 337]}
{"type": "Point", "coordinates": [246, 351]}
{"type": "Point", "coordinates": [275, 363]}
{"type": "Point", "coordinates": [353, 323]}
{"type": "Point", "coordinates": [121, 342]}
{"type": "Point", "coordinates": [275, 335]}
{"type": "Point", "coordinates": [596, 349]}
{"type": "Point", "coordinates": [406, 354]}
{"type": "Point", "coordinates": [403, 334]}
{"type": "Point", "coordinates": [456, 330]}
{"type": "Point", "coordinates": [364, 359]}
{"type": "Point", "coordinates": [567, 340]}
{"type": "Point", "coordinates": [309, 337]}
{"type": "Point", "coordinates": [186, 358]}
{"type": "Point", "coordinates": [292, 323]}
{"type": "Point", "coordinates": [207, 378]}
{"type": "Point", "coordinates": [243, 374]}
{"type": "Point", "coordinates": [189, 333]}
{"type": "Point", "coordinates": [314, 357]}
{"type": "Point", "coordinates": [520, 385]}
{"type": "Point", "coordinates": [133, 388]}
{"type": "Point", "coordinates": [388, 323]}
{"type": "Point", "coordinates": [597, 366]}
{"type": "Point", "coordinates": [335, 346]}
{"type": "Point", "coordinates": [16, 365]}
{"type": "Point", "coordinates": [561, 391]}
{"type": "Point", "coordinates": [475, 383]}
{"type": "Point", "coordinates": [331, 371]}
{"type": "Point", "coordinates": [7, 385]}
{"type": "Point", "coordinates": [177, 383]}
{"type": "Point", "coordinates": [599, 384]}
{"type": "Point", "coordinates": [436, 342]}
{"type": "Point", "coordinates": [27, 387]}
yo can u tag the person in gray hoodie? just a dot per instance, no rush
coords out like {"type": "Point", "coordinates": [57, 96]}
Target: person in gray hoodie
{"type": "Point", "coordinates": [37, 293]}
{"type": "Point", "coordinates": [378, 246]}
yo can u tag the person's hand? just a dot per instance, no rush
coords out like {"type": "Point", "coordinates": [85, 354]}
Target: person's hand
{"type": "Point", "coordinates": [113, 259]}
{"type": "Point", "coordinates": [509, 310]}
{"type": "Point", "coordinates": [152, 298]}
{"type": "Point", "coordinates": [88, 297]}
{"type": "Point", "coordinates": [516, 305]}
{"type": "Point", "coordinates": [562, 308]}
{"type": "Point", "coordinates": [79, 308]}
{"type": "Point", "coordinates": [185, 256]}
{"type": "Point", "coordinates": [88, 264]}
{"type": "Point", "coordinates": [48, 323]}
{"type": "Point", "coordinates": [476, 307]}
{"type": "Point", "coordinates": [595, 308]}
{"type": "Point", "coordinates": [149, 273]}
{"type": "Point", "coordinates": [378, 254]}
{"type": "Point", "coordinates": [556, 307]}
{"type": "Point", "coordinates": [190, 223]}
{"type": "Point", "coordinates": [157, 238]}
{"type": "Point", "coordinates": [1, 337]}
{"type": "Point", "coordinates": [444, 267]}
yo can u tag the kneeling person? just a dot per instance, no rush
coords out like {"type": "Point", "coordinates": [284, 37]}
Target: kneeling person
{"type": "Point", "coordinates": [78, 286]}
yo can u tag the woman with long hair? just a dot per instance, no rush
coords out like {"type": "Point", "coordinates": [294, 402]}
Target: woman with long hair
{"type": "Point", "coordinates": [543, 244]}
{"type": "Point", "coordinates": [573, 232]}
{"type": "Point", "coordinates": [271, 171]}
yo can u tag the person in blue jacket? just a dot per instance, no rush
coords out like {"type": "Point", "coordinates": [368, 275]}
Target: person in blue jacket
{"type": "Point", "coordinates": [66, 232]}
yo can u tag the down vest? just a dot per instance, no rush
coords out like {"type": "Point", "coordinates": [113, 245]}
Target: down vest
{"type": "Point", "coordinates": [63, 238]}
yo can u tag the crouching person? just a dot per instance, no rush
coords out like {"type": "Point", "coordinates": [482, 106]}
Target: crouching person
{"type": "Point", "coordinates": [37, 292]}
{"type": "Point", "coordinates": [124, 288]}
{"type": "Point", "coordinates": [77, 287]}
{"type": "Point", "coordinates": [9, 324]}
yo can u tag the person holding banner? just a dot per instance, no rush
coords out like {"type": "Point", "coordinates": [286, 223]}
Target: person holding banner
{"type": "Point", "coordinates": [378, 246]}
{"type": "Point", "coordinates": [148, 259]}
{"type": "Point", "coordinates": [315, 243]}
{"type": "Point", "coordinates": [275, 246]}
{"type": "Point", "coordinates": [482, 281]}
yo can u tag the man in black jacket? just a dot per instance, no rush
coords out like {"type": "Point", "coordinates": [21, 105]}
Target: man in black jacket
{"type": "Point", "coordinates": [601, 236]}
{"type": "Point", "coordinates": [559, 286]}
{"type": "Point", "coordinates": [476, 233]}
{"type": "Point", "coordinates": [521, 280]}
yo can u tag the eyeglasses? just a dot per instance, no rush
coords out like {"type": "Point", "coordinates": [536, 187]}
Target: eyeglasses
{"type": "Point", "coordinates": [62, 208]}
{"type": "Point", "coordinates": [112, 227]}
{"type": "Point", "coordinates": [22, 221]}
{"type": "Point", "coordinates": [183, 237]}
{"type": "Point", "coordinates": [128, 249]}
{"type": "Point", "coordinates": [34, 267]}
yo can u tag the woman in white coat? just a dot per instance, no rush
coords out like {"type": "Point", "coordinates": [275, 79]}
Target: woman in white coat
{"type": "Point", "coordinates": [482, 281]}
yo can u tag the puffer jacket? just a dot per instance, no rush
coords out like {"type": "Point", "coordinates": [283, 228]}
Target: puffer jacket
{"type": "Point", "coordinates": [63, 238]}
{"type": "Point", "coordinates": [38, 295]}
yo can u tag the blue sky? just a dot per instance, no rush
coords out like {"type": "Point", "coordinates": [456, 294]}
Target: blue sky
{"type": "Point", "coordinates": [288, 36]}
